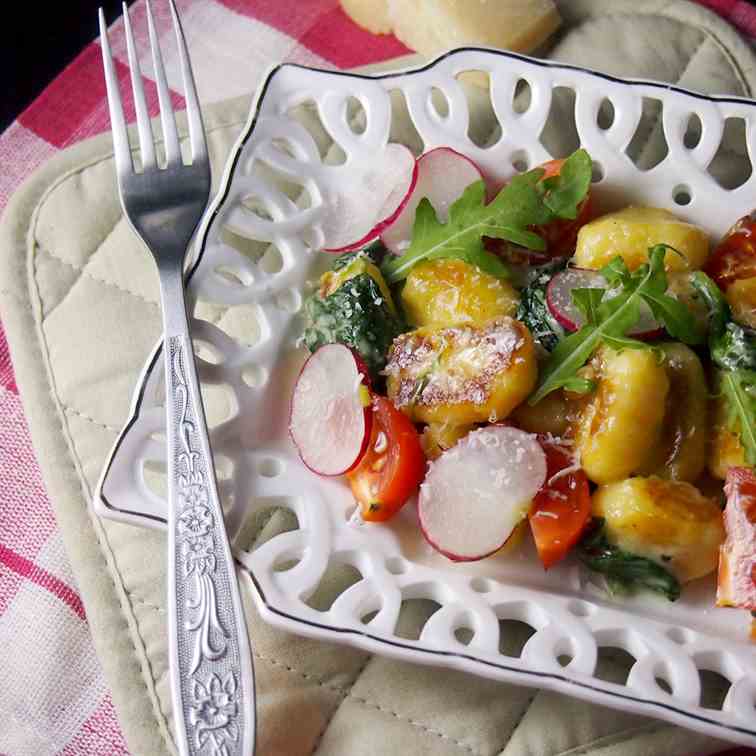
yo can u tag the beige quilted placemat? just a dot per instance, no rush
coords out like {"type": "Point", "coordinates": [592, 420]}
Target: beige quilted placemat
{"type": "Point", "coordinates": [79, 302]}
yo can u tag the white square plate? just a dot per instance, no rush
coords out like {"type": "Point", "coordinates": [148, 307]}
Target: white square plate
{"type": "Point", "coordinates": [254, 256]}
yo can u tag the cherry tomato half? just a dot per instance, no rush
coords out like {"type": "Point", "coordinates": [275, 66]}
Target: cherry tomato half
{"type": "Point", "coordinates": [393, 466]}
{"type": "Point", "coordinates": [562, 508]}
{"type": "Point", "coordinates": [561, 234]}
{"type": "Point", "coordinates": [734, 257]}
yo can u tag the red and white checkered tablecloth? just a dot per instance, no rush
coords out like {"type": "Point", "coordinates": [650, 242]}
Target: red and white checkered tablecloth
{"type": "Point", "coordinates": [45, 643]}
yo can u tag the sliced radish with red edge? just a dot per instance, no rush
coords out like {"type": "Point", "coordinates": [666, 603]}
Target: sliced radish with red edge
{"type": "Point", "coordinates": [362, 211]}
{"type": "Point", "coordinates": [563, 308]}
{"type": "Point", "coordinates": [476, 493]}
{"type": "Point", "coordinates": [442, 175]}
{"type": "Point", "coordinates": [331, 415]}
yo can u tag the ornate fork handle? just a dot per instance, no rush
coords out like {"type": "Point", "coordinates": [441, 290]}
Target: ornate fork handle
{"type": "Point", "coordinates": [208, 637]}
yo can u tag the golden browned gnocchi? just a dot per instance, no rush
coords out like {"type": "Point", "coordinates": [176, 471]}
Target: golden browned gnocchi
{"type": "Point", "coordinates": [450, 292]}
{"type": "Point", "coordinates": [670, 522]}
{"type": "Point", "coordinates": [553, 414]}
{"type": "Point", "coordinates": [462, 375]}
{"type": "Point", "coordinates": [621, 422]}
{"type": "Point", "coordinates": [741, 296]}
{"type": "Point", "coordinates": [437, 438]}
{"type": "Point", "coordinates": [681, 451]}
{"type": "Point", "coordinates": [631, 231]}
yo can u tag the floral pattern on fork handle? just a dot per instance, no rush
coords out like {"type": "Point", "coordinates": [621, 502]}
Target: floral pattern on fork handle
{"type": "Point", "coordinates": [208, 653]}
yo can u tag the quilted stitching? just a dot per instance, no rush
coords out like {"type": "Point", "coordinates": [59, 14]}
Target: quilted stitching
{"type": "Point", "coordinates": [615, 738]}
{"type": "Point", "coordinates": [72, 411]}
{"type": "Point", "coordinates": [84, 274]}
{"type": "Point", "coordinates": [140, 658]}
{"type": "Point", "coordinates": [518, 722]}
{"type": "Point", "coordinates": [335, 709]}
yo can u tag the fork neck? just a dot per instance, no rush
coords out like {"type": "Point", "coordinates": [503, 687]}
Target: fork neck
{"type": "Point", "coordinates": [175, 319]}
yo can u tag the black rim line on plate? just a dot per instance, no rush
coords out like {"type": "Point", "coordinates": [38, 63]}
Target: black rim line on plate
{"type": "Point", "coordinates": [487, 663]}
{"type": "Point", "coordinates": [218, 202]}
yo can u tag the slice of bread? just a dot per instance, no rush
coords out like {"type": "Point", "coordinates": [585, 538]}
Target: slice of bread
{"type": "Point", "coordinates": [369, 14]}
{"type": "Point", "coordinates": [432, 26]}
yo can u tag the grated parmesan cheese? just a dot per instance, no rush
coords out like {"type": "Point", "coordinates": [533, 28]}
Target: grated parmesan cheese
{"type": "Point", "coordinates": [573, 468]}
{"type": "Point", "coordinates": [544, 513]}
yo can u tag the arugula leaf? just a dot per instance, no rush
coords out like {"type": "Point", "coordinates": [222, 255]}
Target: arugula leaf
{"type": "Point", "coordinates": [566, 191]}
{"type": "Point", "coordinates": [567, 358]}
{"type": "Point", "coordinates": [579, 385]}
{"type": "Point", "coordinates": [719, 310]}
{"type": "Point", "coordinates": [675, 315]}
{"type": "Point", "coordinates": [732, 346]}
{"type": "Point", "coordinates": [523, 203]}
{"type": "Point", "coordinates": [616, 272]}
{"type": "Point", "coordinates": [609, 320]}
{"type": "Point", "coordinates": [739, 388]}
{"type": "Point", "coordinates": [615, 317]}
{"type": "Point", "coordinates": [625, 342]}
{"type": "Point", "coordinates": [588, 301]}
{"type": "Point", "coordinates": [733, 350]}
{"type": "Point", "coordinates": [623, 569]}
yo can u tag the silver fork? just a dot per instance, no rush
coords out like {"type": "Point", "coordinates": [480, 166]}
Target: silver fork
{"type": "Point", "coordinates": [212, 681]}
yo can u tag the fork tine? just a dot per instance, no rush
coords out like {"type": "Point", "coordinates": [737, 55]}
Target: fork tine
{"type": "Point", "coordinates": [194, 115]}
{"type": "Point", "coordinates": [121, 149]}
{"type": "Point", "coordinates": [170, 135]}
{"type": "Point", "coordinates": [146, 146]}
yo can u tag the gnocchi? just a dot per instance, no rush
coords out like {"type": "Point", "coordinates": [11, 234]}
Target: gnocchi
{"type": "Point", "coordinates": [437, 438]}
{"type": "Point", "coordinates": [621, 422]}
{"type": "Point", "coordinates": [553, 415]}
{"type": "Point", "coordinates": [630, 232]}
{"type": "Point", "coordinates": [741, 296]}
{"type": "Point", "coordinates": [462, 375]}
{"type": "Point", "coordinates": [450, 292]}
{"type": "Point", "coordinates": [681, 451]}
{"type": "Point", "coordinates": [669, 522]}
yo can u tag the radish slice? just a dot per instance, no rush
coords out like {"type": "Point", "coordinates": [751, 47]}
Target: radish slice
{"type": "Point", "coordinates": [331, 417]}
{"type": "Point", "coordinates": [361, 212]}
{"type": "Point", "coordinates": [561, 306]}
{"type": "Point", "coordinates": [476, 493]}
{"type": "Point", "coordinates": [442, 175]}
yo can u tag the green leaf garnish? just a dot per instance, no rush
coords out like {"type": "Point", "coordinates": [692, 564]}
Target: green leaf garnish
{"type": "Point", "coordinates": [579, 385]}
{"type": "Point", "coordinates": [622, 569]}
{"type": "Point", "coordinates": [733, 350]}
{"type": "Point", "coordinates": [719, 310]}
{"type": "Point", "coordinates": [625, 342]}
{"type": "Point", "coordinates": [565, 192]}
{"type": "Point", "coordinates": [609, 318]}
{"type": "Point", "coordinates": [739, 388]}
{"type": "Point", "coordinates": [616, 272]}
{"type": "Point", "coordinates": [588, 301]}
{"type": "Point", "coordinates": [523, 203]}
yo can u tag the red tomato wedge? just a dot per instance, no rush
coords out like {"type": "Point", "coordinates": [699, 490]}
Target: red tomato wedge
{"type": "Point", "coordinates": [562, 508]}
{"type": "Point", "coordinates": [561, 234]}
{"type": "Point", "coordinates": [393, 466]}
{"type": "Point", "coordinates": [734, 257]}
{"type": "Point", "coordinates": [736, 579]}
